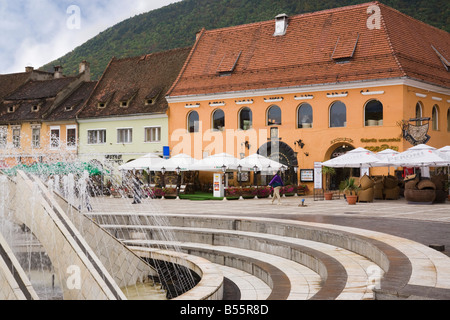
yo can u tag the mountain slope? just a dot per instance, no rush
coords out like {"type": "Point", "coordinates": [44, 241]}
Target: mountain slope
{"type": "Point", "coordinates": [175, 26]}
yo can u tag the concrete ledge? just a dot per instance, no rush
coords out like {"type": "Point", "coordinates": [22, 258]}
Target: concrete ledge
{"type": "Point", "coordinates": [210, 286]}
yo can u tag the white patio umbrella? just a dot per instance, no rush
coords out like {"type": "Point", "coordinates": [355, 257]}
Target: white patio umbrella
{"type": "Point", "coordinates": [445, 154]}
{"type": "Point", "coordinates": [182, 161]}
{"type": "Point", "coordinates": [419, 156]}
{"type": "Point", "coordinates": [357, 158]}
{"type": "Point", "coordinates": [216, 162]}
{"type": "Point", "coordinates": [262, 163]}
{"type": "Point", "coordinates": [386, 157]}
{"type": "Point", "coordinates": [142, 163]}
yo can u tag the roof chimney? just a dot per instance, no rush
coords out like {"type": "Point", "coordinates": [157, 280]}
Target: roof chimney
{"type": "Point", "coordinates": [58, 72]}
{"type": "Point", "coordinates": [281, 24]}
{"type": "Point", "coordinates": [85, 68]}
{"type": "Point", "coordinates": [29, 69]}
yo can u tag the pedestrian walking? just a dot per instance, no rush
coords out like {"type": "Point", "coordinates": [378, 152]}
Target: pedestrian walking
{"type": "Point", "coordinates": [276, 184]}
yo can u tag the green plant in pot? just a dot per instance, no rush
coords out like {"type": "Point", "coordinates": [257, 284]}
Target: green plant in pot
{"type": "Point", "coordinates": [351, 191]}
{"type": "Point", "coordinates": [328, 171]}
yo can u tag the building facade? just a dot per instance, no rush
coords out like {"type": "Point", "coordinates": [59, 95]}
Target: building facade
{"type": "Point", "coordinates": [126, 116]}
{"type": "Point", "coordinates": [308, 88]}
{"type": "Point", "coordinates": [37, 120]}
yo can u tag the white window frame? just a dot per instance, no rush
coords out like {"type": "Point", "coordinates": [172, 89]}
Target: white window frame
{"type": "Point", "coordinates": [158, 128]}
{"type": "Point", "coordinates": [3, 137]}
{"type": "Point", "coordinates": [68, 146]}
{"type": "Point", "coordinates": [35, 145]}
{"type": "Point", "coordinates": [16, 139]}
{"type": "Point", "coordinates": [129, 136]}
{"type": "Point", "coordinates": [55, 128]}
{"type": "Point", "coordinates": [97, 137]}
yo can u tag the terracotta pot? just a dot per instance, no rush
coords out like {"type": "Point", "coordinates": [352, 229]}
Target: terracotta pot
{"type": "Point", "coordinates": [328, 195]}
{"type": "Point", "coordinates": [352, 199]}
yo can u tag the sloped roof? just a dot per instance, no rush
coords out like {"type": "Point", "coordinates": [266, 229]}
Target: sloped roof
{"type": "Point", "coordinates": [40, 89]}
{"type": "Point", "coordinates": [136, 80]}
{"type": "Point", "coordinates": [10, 82]}
{"type": "Point", "coordinates": [73, 103]}
{"type": "Point", "coordinates": [399, 47]}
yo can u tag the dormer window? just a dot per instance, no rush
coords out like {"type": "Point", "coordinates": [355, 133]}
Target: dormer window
{"type": "Point", "coordinates": [101, 105]}
{"type": "Point", "coordinates": [444, 60]}
{"type": "Point", "coordinates": [228, 63]}
{"type": "Point", "coordinates": [35, 108]}
{"type": "Point", "coordinates": [124, 104]}
{"type": "Point", "coordinates": [281, 24]}
{"type": "Point", "coordinates": [149, 102]}
{"type": "Point", "coordinates": [152, 96]}
{"type": "Point", "coordinates": [11, 109]}
{"type": "Point", "coordinates": [126, 99]}
{"type": "Point", "coordinates": [104, 100]}
{"type": "Point", "coordinates": [345, 48]}
{"type": "Point", "coordinates": [68, 108]}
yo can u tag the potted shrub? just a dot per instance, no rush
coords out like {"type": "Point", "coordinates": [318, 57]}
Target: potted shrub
{"type": "Point", "coordinates": [328, 171]}
{"type": "Point", "coordinates": [232, 193]}
{"type": "Point", "coordinates": [447, 188]}
{"type": "Point", "coordinates": [351, 191]}
{"type": "Point", "coordinates": [288, 191]}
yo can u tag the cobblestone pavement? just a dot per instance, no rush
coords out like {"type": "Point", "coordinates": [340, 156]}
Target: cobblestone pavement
{"type": "Point", "coordinates": [426, 224]}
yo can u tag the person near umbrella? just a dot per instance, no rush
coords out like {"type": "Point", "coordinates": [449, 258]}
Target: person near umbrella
{"type": "Point", "coordinates": [276, 183]}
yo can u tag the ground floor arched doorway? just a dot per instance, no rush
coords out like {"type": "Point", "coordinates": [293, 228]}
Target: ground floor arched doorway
{"type": "Point", "coordinates": [341, 173]}
{"type": "Point", "coordinates": [284, 154]}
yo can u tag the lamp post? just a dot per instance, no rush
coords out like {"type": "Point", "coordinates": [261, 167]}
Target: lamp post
{"type": "Point", "coordinates": [224, 170]}
{"type": "Point", "coordinates": [163, 172]}
{"type": "Point", "coordinates": [239, 180]}
{"type": "Point", "coordinates": [255, 182]}
{"type": "Point", "coordinates": [178, 170]}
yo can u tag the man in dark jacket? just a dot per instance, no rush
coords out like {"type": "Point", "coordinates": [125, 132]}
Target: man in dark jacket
{"type": "Point", "coordinates": [276, 184]}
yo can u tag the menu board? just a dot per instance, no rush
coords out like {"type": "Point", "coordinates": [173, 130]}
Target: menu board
{"type": "Point", "coordinates": [307, 175]}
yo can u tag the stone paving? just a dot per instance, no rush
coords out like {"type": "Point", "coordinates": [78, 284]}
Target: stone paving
{"type": "Point", "coordinates": [426, 224]}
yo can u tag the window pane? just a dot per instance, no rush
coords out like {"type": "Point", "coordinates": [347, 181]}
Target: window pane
{"type": "Point", "coordinates": [246, 119]}
{"type": "Point", "coordinates": [153, 134]}
{"type": "Point", "coordinates": [71, 138]}
{"type": "Point", "coordinates": [274, 116]}
{"type": "Point", "coordinates": [374, 113]}
{"type": "Point", "coordinates": [305, 116]}
{"type": "Point", "coordinates": [435, 118]}
{"type": "Point", "coordinates": [418, 113]}
{"type": "Point", "coordinates": [54, 138]}
{"type": "Point", "coordinates": [338, 115]}
{"type": "Point", "coordinates": [124, 136]}
{"type": "Point", "coordinates": [36, 138]}
{"type": "Point", "coordinates": [16, 138]}
{"type": "Point", "coordinates": [219, 120]}
{"type": "Point", "coordinates": [3, 137]}
{"type": "Point", "coordinates": [193, 120]}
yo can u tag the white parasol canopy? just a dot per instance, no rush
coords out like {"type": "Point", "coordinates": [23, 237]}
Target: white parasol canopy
{"type": "Point", "coordinates": [419, 156]}
{"type": "Point", "coordinates": [357, 158]}
{"type": "Point", "coordinates": [445, 154]}
{"type": "Point", "coordinates": [182, 161]}
{"type": "Point", "coordinates": [262, 163]}
{"type": "Point", "coordinates": [142, 163]}
{"type": "Point", "coordinates": [216, 162]}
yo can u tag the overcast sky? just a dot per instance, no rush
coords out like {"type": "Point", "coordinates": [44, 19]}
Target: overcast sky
{"type": "Point", "coordinates": [35, 32]}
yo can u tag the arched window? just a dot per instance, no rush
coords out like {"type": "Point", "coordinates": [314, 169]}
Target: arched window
{"type": "Point", "coordinates": [305, 116]}
{"type": "Point", "coordinates": [418, 113]}
{"type": "Point", "coordinates": [448, 120]}
{"type": "Point", "coordinates": [373, 113]}
{"type": "Point", "coordinates": [274, 116]}
{"type": "Point", "coordinates": [193, 120]}
{"type": "Point", "coordinates": [218, 120]}
{"type": "Point", "coordinates": [338, 115]}
{"type": "Point", "coordinates": [435, 117]}
{"type": "Point", "coordinates": [245, 119]}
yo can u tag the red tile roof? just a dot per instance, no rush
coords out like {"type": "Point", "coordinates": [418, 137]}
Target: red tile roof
{"type": "Point", "coordinates": [136, 80]}
{"type": "Point", "coordinates": [400, 47]}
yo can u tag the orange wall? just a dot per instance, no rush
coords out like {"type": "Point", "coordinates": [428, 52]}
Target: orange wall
{"type": "Point", "coordinates": [320, 141]}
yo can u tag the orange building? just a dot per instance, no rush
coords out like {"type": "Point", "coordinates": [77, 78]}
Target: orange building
{"type": "Point", "coordinates": [307, 88]}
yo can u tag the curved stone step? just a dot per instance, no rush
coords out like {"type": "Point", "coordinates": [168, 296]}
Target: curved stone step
{"type": "Point", "coordinates": [329, 261]}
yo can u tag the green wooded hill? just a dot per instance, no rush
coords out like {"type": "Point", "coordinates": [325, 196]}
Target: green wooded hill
{"type": "Point", "coordinates": [175, 26]}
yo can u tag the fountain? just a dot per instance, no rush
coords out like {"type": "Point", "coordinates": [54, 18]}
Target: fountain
{"type": "Point", "coordinates": [67, 255]}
